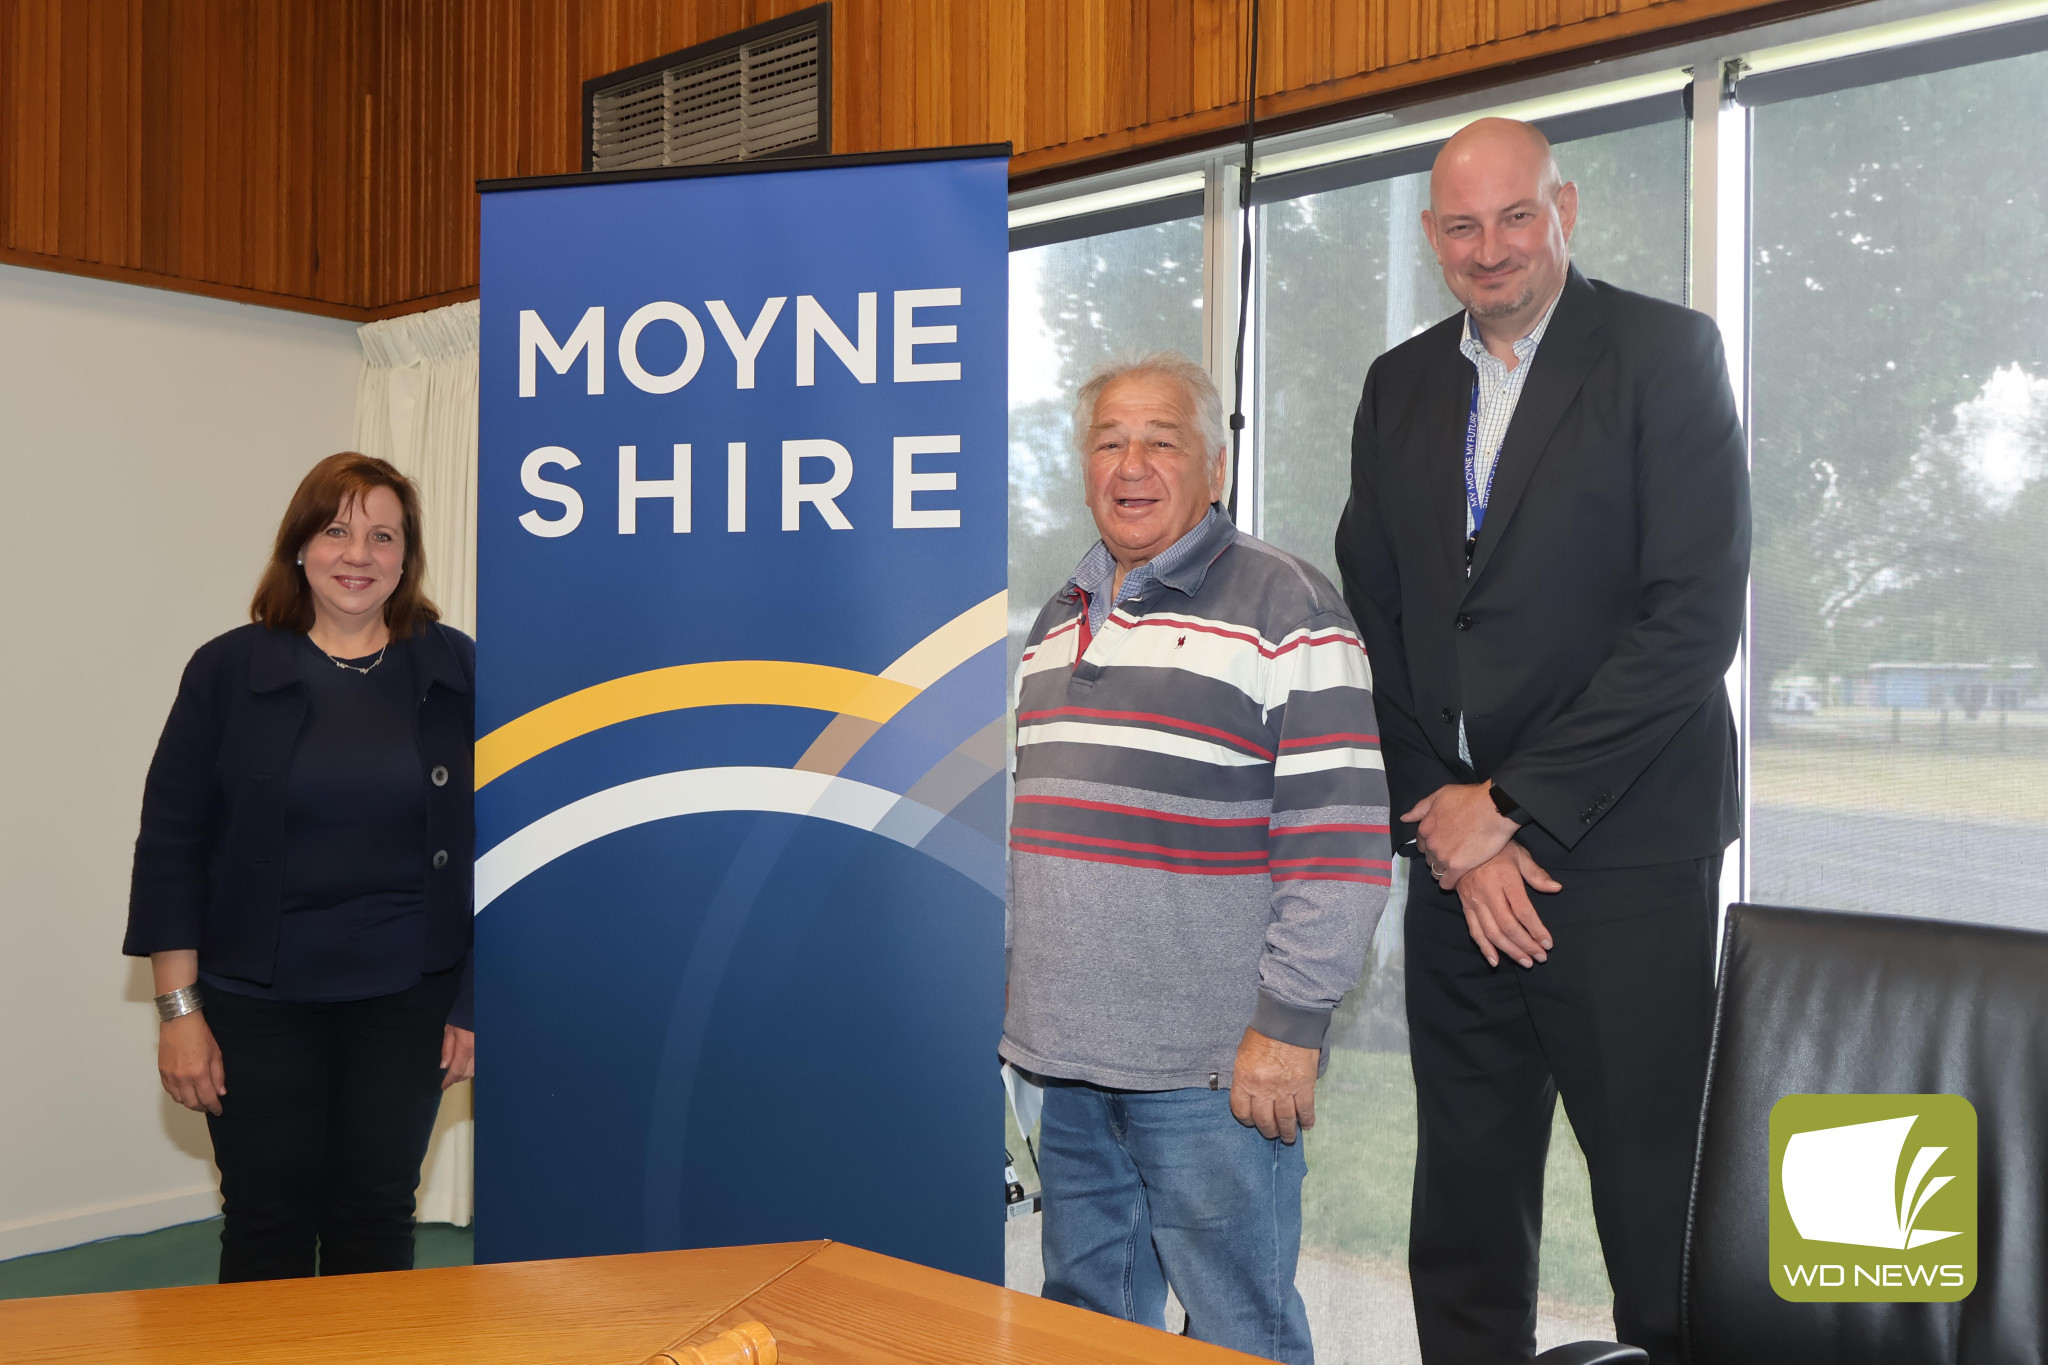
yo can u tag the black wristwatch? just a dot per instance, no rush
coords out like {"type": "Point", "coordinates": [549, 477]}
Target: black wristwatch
{"type": "Point", "coordinates": [1507, 805]}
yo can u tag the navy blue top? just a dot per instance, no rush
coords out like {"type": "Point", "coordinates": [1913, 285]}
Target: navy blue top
{"type": "Point", "coordinates": [281, 836]}
{"type": "Point", "coordinates": [352, 912]}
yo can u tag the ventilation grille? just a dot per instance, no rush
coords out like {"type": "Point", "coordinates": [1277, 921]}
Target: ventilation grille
{"type": "Point", "coordinates": [755, 99]}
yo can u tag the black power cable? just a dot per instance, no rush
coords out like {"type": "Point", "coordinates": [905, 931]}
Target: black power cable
{"type": "Point", "coordinates": [1244, 261]}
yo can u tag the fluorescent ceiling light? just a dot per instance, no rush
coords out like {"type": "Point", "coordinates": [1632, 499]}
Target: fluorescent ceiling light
{"type": "Point", "coordinates": [1436, 130]}
{"type": "Point", "coordinates": [1106, 199]}
{"type": "Point", "coordinates": [1893, 35]}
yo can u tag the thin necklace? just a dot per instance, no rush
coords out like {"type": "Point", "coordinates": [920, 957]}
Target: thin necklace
{"type": "Point", "coordinates": [359, 668]}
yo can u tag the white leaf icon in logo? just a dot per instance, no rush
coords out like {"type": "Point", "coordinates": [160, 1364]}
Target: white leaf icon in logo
{"type": "Point", "coordinates": [1838, 1185]}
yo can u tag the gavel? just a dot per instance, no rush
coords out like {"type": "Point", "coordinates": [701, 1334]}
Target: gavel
{"type": "Point", "coordinates": [750, 1343]}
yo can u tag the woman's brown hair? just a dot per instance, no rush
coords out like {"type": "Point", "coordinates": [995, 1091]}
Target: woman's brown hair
{"type": "Point", "coordinates": [284, 600]}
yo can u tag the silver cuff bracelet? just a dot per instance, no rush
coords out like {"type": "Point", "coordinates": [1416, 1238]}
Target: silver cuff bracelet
{"type": "Point", "coordinates": [184, 1000]}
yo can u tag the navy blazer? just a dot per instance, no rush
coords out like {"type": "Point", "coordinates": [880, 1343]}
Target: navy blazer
{"type": "Point", "coordinates": [1587, 648]}
{"type": "Point", "coordinates": [209, 866]}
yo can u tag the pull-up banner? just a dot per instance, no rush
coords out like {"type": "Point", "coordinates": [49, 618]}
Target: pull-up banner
{"type": "Point", "coordinates": [740, 711]}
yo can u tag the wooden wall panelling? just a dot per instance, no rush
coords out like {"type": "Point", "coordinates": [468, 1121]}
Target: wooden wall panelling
{"type": "Point", "coordinates": [1163, 57]}
{"type": "Point", "coordinates": [321, 153]}
{"type": "Point", "coordinates": [198, 143]}
{"type": "Point", "coordinates": [220, 197]}
{"type": "Point", "coordinates": [1219, 53]}
{"type": "Point", "coordinates": [1094, 68]}
{"type": "Point", "coordinates": [1304, 47]}
{"type": "Point", "coordinates": [1000, 34]}
{"type": "Point", "coordinates": [908, 73]}
{"type": "Point", "coordinates": [1045, 88]}
{"type": "Point", "coordinates": [1535, 34]}
{"type": "Point", "coordinates": [488, 89]}
{"type": "Point", "coordinates": [65, 97]}
{"type": "Point", "coordinates": [1323, 58]}
{"type": "Point", "coordinates": [926, 73]}
{"type": "Point", "coordinates": [406, 132]}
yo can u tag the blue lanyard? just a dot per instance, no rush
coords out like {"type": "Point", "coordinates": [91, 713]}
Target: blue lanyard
{"type": "Point", "coordinates": [1476, 498]}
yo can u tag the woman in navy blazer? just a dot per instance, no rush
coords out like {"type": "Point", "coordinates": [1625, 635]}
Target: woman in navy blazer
{"type": "Point", "coordinates": [302, 884]}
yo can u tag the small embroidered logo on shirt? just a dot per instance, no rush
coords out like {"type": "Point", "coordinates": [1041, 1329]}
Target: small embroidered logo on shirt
{"type": "Point", "coordinates": [1181, 641]}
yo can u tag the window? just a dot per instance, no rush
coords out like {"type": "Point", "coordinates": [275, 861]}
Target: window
{"type": "Point", "coordinates": [1082, 291]}
{"type": "Point", "coordinates": [1074, 303]}
{"type": "Point", "coordinates": [1346, 273]}
{"type": "Point", "coordinates": [1899, 733]}
{"type": "Point", "coordinates": [1875, 243]}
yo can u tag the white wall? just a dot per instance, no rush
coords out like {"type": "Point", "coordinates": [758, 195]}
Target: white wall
{"type": "Point", "coordinates": [148, 444]}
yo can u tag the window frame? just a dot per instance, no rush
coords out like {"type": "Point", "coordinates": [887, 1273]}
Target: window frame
{"type": "Point", "coordinates": [1855, 45]}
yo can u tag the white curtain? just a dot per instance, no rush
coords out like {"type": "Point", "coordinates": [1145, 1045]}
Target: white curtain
{"type": "Point", "coordinates": [416, 407]}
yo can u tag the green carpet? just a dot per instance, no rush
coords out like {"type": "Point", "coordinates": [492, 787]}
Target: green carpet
{"type": "Point", "coordinates": [186, 1254]}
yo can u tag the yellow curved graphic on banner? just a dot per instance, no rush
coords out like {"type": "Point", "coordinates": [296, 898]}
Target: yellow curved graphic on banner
{"type": "Point", "coordinates": [744, 682]}
{"type": "Point", "coordinates": [734, 682]}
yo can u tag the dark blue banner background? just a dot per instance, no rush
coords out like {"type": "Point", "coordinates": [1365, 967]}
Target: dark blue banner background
{"type": "Point", "coordinates": [749, 1004]}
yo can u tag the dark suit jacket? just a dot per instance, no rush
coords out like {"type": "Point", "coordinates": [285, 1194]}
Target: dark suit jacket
{"type": "Point", "coordinates": [1587, 650]}
{"type": "Point", "coordinates": [209, 870]}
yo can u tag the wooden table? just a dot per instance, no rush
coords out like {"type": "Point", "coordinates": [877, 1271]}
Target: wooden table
{"type": "Point", "coordinates": [827, 1303]}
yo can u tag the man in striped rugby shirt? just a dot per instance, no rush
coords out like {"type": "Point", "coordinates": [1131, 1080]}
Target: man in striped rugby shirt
{"type": "Point", "coordinates": [1198, 857]}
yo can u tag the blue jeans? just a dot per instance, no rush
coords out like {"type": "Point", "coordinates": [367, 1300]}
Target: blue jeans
{"type": "Point", "coordinates": [1146, 1189]}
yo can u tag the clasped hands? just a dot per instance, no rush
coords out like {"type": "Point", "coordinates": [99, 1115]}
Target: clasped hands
{"type": "Point", "coordinates": [1470, 848]}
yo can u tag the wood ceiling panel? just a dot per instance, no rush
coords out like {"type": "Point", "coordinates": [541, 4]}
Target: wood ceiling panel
{"type": "Point", "coordinates": [321, 153]}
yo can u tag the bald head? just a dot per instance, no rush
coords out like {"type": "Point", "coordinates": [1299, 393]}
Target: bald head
{"type": "Point", "coordinates": [1493, 146]}
{"type": "Point", "coordinates": [1500, 219]}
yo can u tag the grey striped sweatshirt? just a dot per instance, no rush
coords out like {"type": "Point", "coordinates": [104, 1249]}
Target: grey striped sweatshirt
{"type": "Point", "coordinates": [1199, 836]}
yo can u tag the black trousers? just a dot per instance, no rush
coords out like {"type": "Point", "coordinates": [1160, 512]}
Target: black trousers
{"type": "Point", "coordinates": [1618, 1022]}
{"type": "Point", "coordinates": [321, 1134]}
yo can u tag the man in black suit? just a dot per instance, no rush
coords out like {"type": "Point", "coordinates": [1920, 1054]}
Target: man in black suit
{"type": "Point", "coordinates": [1550, 619]}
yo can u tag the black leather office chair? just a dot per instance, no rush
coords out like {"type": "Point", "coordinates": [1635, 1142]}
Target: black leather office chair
{"type": "Point", "coordinates": [1817, 1002]}
{"type": "Point", "coordinates": [1592, 1353]}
